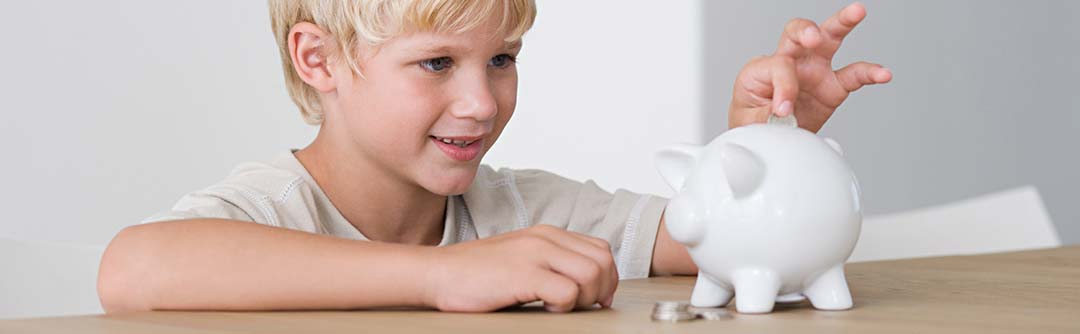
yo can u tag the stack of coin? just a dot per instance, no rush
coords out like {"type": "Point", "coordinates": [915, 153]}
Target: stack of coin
{"type": "Point", "coordinates": [672, 311]}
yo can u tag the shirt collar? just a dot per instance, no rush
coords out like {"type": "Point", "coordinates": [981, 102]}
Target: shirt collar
{"type": "Point", "coordinates": [332, 219]}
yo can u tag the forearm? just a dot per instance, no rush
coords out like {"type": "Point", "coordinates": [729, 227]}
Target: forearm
{"type": "Point", "coordinates": [230, 265]}
{"type": "Point", "coordinates": [669, 256]}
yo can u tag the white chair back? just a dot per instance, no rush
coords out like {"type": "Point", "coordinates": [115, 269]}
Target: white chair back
{"type": "Point", "coordinates": [1009, 220]}
{"type": "Point", "coordinates": [48, 279]}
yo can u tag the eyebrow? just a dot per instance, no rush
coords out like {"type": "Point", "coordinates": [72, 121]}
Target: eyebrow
{"type": "Point", "coordinates": [433, 48]}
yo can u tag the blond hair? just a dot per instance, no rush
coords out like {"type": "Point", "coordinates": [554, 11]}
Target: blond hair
{"type": "Point", "coordinates": [375, 21]}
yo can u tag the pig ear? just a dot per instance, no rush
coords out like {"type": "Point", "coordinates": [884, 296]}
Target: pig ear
{"type": "Point", "coordinates": [744, 169]}
{"type": "Point", "coordinates": [835, 146]}
{"type": "Point", "coordinates": [674, 163]}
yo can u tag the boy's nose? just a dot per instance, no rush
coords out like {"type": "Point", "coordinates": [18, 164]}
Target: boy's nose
{"type": "Point", "coordinates": [475, 100]}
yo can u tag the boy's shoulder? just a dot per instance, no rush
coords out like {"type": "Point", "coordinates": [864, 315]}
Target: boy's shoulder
{"type": "Point", "coordinates": [274, 193]}
{"type": "Point", "coordinates": [276, 179]}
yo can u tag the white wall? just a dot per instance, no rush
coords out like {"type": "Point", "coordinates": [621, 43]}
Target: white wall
{"type": "Point", "coordinates": [604, 84]}
{"type": "Point", "coordinates": [114, 109]}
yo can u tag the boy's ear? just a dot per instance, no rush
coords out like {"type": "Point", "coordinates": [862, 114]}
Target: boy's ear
{"type": "Point", "coordinates": [309, 59]}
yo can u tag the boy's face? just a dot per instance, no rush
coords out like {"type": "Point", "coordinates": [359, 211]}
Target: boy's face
{"type": "Point", "coordinates": [420, 91]}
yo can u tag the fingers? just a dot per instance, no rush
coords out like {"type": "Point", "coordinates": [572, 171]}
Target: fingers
{"type": "Point", "coordinates": [600, 251]}
{"type": "Point", "coordinates": [560, 294]}
{"type": "Point", "coordinates": [586, 273]}
{"type": "Point", "coordinates": [587, 260]}
{"type": "Point", "coordinates": [785, 84]}
{"type": "Point", "coordinates": [839, 25]}
{"type": "Point", "coordinates": [856, 75]}
{"type": "Point", "coordinates": [799, 35]}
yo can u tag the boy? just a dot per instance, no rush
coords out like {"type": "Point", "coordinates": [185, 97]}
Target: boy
{"type": "Point", "coordinates": [410, 94]}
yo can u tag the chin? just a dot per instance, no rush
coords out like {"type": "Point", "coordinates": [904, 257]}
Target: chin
{"type": "Point", "coordinates": [449, 183]}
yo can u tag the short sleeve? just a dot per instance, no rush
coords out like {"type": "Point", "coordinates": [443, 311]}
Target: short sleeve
{"type": "Point", "coordinates": [203, 204]}
{"type": "Point", "coordinates": [628, 221]}
{"type": "Point", "coordinates": [253, 192]}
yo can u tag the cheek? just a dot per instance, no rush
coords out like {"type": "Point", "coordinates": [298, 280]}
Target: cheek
{"type": "Point", "coordinates": [505, 91]}
{"type": "Point", "coordinates": [399, 111]}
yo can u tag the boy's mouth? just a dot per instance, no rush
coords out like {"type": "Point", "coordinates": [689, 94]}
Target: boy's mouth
{"type": "Point", "coordinates": [459, 148]}
{"type": "Point", "coordinates": [454, 141]}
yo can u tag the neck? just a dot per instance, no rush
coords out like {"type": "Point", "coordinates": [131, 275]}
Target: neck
{"type": "Point", "coordinates": [383, 206]}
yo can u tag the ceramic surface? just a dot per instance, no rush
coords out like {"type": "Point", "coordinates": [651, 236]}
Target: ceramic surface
{"type": "Point", "coordinates": [768, 212]}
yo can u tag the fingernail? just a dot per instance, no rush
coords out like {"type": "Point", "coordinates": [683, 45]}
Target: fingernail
{"type": "Point", "coordinates": [885, 73]}
{"type": "Point", "coordinates": [784, 109]}
{"type": "Point", "coordinates": [809, 32]}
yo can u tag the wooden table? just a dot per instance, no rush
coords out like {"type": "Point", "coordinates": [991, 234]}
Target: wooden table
{"type": "Point", "coordinates": [1031, 292]}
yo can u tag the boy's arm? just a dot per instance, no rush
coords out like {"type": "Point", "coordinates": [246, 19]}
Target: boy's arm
{"type": "Point", "coordinates": [211, 264]}
{"type": "Point", "coordinates": [214, 264]}
{"type": "Point", "coordinates": [669, 256]}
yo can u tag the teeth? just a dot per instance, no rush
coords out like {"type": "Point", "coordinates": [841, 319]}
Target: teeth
{"type": "Point", "coordinates": [458, 143]}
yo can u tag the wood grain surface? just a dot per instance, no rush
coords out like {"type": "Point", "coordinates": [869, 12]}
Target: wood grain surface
{"type": "Point", "coordinates": [1031, 291]}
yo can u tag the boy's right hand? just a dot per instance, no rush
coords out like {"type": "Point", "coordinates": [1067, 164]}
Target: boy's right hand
{"type": "Point", "coordinates": [565, 270]}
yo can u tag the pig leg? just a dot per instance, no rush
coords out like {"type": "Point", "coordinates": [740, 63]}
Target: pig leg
{"type": "Point", "coordinates": [830, 290]}
{"type": "Point", "coordinates": [755, 290]}
{"type": "Point", "coordinates": [709, 293]}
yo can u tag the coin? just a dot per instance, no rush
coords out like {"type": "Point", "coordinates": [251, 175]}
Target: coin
{"type": "Point", "coordinates": [711, 313]}
{"type": "Point", "coordinates": [672, 311]}
{"type": "Point", "coordinates": [788, 120]}
{"type": "Point", "coordinates": [673, 317]}
{"type": "Point", "coordinates": [671, 305]}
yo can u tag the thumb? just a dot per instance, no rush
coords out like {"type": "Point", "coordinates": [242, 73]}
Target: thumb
{"type": "Point", "coordinates": [785, 83]}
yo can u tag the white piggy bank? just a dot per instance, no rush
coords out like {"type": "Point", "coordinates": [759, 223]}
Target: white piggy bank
{"type": "Point", "coordinates": [768, 213]}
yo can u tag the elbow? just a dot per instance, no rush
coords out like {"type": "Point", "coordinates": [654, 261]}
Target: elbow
{"type": "Point", "coordinates": [121, 283]}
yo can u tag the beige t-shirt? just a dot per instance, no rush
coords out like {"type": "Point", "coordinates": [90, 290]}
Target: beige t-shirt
{"type": "Point", "coordinates": [282, 193]}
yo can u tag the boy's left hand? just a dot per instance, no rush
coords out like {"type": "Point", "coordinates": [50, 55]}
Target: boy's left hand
{"type": "Point", "coordinates": [799, 77]}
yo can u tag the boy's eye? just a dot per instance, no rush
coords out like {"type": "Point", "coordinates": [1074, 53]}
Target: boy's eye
{"type": "Point", "coordinates": [502, 60]}
{"type": "Point", "coordinates": [437, 64]}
